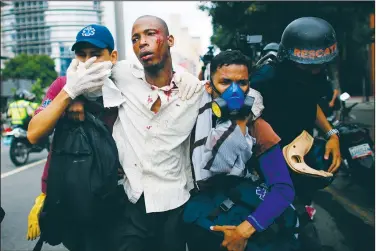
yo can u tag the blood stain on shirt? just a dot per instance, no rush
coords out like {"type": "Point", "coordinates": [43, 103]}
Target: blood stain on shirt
{"type": "Point", "coordinates": [168, 94]}
{"type": "Point", "coordinates": [150, 100]}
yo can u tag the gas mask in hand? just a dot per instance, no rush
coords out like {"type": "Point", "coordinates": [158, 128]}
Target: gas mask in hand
{"type": "Point", "coordinates": [233, 103]}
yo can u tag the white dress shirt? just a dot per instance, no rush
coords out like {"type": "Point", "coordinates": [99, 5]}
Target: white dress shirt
{"type": "Point", "coordinates": [153, 148]}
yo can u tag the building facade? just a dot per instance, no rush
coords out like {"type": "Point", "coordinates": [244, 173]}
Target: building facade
{"type": "Point", "coordinates": [4, 53]}
{"type": "Point", "coordinates": [186, 51]}
{"type": "Point", "coordinates": [46, 27]}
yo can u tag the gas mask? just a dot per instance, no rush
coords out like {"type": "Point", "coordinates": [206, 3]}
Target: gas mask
{"type": "Point", "coordinates": [233, 103]}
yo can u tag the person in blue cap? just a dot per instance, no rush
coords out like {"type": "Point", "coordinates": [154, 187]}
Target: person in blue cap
{"type": "Point", "coordinates": [95, 50]}
{"type": "Point", "coordinates": [95, 41]}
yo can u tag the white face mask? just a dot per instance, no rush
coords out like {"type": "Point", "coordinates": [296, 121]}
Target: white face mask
{"type": "Point", "coordinates": [94, 94]}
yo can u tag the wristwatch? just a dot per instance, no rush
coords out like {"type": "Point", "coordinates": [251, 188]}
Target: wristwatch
{"type": "Point", "coordinates": [331, 132]}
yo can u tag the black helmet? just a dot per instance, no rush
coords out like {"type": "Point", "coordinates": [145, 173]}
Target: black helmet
{"type": "Point", "coordinates": [308, 40]}
{"type": "Point", "coordinates": [21, 94]}
{"type": "Point", "coordinates": [31, 97]}
{"type": "Point", "coordinates": [270, 47]}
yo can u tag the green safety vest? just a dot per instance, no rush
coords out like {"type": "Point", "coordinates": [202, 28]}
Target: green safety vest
{"type": "Point", "coordinates": [18, 111]}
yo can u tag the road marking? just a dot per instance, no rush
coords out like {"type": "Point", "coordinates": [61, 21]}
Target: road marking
{"type": "Point", "coordinates": [368, 217]}
{"type": "Point", "coordinates": [23, 168]}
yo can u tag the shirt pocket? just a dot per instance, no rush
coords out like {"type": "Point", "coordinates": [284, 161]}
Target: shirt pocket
{"type": "Point", "coordinates": [181, 118]}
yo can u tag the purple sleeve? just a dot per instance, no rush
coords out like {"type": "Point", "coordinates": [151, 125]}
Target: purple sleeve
{"type": "Point", "coordinates": [281, 191]}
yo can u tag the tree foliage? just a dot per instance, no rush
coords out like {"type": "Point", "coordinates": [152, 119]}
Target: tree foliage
{"type": "Point", "coordinates": [34, 67]}
{"type": "Point", "coordinates": [270, 18]}
{"type": "Point", "coordinates": [31, 67]}
{"type": "Point", "coordinates": [349, 19]}
{"type": "Point", "coordinates": [38, 91]}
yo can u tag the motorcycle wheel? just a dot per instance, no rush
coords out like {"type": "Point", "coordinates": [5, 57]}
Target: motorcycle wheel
{"type": "Point", "coordinates": [19, 152]}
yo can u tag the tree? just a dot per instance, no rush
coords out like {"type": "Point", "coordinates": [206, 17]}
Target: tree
{"type": "Point", "coordinates": [270, 18]}
{"type": "Point", "coordinates": [33, 67]}
{"type": "Point", "coordinates": [38, 91]}
{"type": "Point", "coordinates": [266, 18]}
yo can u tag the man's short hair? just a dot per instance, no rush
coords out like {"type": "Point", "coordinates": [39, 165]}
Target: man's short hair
{"type": "Point", "coordinates": [160, 20]}
{"type": "Point", "coordinates": [228, 57]}
{"type": "Point", "coordinates": [110, 50]}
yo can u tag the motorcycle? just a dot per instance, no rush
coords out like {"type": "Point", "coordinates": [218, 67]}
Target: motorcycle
{"type": "Point", "coordinates": [20, 147]}
{"type": "Point", "coordinates": [356, 145]}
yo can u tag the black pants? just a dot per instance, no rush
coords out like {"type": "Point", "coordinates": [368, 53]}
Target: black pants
{"type": "Point", "coordinates": [138, 231]}
{"type": "Point", "coordinates": [199, 239]}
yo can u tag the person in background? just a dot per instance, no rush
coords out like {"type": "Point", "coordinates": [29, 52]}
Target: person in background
{"type": "Point", "coordinates": [20, 110]}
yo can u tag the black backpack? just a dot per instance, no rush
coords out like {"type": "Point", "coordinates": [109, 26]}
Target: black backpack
{"type": "Point", "coordinates": [82, 178]}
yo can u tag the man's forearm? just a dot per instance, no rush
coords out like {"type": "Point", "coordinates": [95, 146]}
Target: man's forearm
{"type": "Point", "coordinates": [321, 120]}
{"type": "Point", "coordinates": [335, 94]}
{"type": "Point", "coordinates": [44, 122]}
{"type": "Point", "coordinates": [274, 169]}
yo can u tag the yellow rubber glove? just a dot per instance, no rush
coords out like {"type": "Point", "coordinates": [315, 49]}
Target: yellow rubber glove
{"type": "Point", "coordinates": [33, 230]}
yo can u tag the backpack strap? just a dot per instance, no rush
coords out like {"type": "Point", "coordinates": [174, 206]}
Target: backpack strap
{"type": "Point", "coordinates": [233, 198]}
{"type": "Point", "coordinates": [38, 246]}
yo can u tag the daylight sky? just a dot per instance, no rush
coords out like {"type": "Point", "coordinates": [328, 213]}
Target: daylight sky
{"type": "Point", "coordinates": [198, 22]}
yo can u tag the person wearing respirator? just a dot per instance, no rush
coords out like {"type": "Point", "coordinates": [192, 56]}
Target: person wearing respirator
{"type": "Point", "coordinates": [222, 146]}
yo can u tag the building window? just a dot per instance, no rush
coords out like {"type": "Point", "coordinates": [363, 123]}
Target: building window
{"type": "Point", "coordinates": [96, 5]}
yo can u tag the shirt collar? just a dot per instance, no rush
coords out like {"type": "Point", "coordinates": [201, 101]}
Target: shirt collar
{"type": "Point", "coordinates": [140, 74]}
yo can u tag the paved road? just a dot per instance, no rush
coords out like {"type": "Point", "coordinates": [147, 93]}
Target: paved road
{"type": "Point", "coordinates": [18, 192]}
{"type": "Point", "coordinates": [6, 163]}
{"type": "Point", "coordinates": [345, 213]}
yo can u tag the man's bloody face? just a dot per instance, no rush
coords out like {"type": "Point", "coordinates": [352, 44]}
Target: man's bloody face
{"type": "Point", "coordinates": [151, 42]}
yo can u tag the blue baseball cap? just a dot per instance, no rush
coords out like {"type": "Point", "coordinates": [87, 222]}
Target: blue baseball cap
{"type": "Point", "coordinates": [97, 35]}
